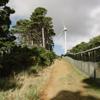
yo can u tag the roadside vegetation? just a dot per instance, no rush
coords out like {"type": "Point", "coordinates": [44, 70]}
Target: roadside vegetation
{"type": "Point", "coordinates": [87, 51]}
{"type": "Point", "coordinates": [22, 59]}
{"type": "Point", "coordinates": [94, 42]}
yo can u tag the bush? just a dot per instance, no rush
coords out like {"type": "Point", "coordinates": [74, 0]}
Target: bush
{"type": "Point", "coordinates": [44, 57]}
{"type": "Point", "coordinates": [17, 60]}
{"type": "Point", "coordinates": [22, 58]}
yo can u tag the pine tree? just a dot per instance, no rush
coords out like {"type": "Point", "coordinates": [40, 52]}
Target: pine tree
{"type": "Point", "coordinates": [6, 38]}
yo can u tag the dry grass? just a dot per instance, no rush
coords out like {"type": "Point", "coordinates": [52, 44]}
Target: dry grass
{"type": "Point", "coordinates": [57, 82]}
{"type": "Point", "coordinates": [28, 86]}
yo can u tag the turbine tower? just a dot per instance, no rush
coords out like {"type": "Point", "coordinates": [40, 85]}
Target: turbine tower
{"type": "Point", "coordinates": [65, 32]}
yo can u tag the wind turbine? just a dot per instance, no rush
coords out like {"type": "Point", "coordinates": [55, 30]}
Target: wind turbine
{"type": "Point", "coordinates": [65, 32]}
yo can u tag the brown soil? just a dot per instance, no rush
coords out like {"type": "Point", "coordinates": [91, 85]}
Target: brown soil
{"type": "Point", "coordinates": [65, 83]}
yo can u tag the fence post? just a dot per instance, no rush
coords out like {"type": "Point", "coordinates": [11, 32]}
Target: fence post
{"type": "Point", "coordinates": [94, 66]}
{"type": "Point", "coordinates": [89, 62]}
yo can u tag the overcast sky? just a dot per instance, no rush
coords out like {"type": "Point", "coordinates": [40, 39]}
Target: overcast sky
{"type": "Point", "coordinates": [81, 17]}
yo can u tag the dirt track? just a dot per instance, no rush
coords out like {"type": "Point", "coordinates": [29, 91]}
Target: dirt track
{"type": "Point", "coordinates": [65, 83]}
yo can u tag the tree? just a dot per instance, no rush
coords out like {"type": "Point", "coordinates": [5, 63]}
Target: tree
{"type": "Point", "coordinates": [3, 2]}
{"type": "Point", "coordinates": [5, 22]}
{"type": "Point", "coordinates": [32, 28]}
{"type": "Point", "coordinates": [22, 28]}
{"type": "Point", "coordinates": [80, 47]}
{"type": "Point", "coordinates": [39, 20]}
{"type": "Point", "coordinates": [94, 42]}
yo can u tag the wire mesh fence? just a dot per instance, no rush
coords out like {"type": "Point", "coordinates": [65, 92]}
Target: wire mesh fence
{"type": "Point", "coordinates": [87, 61]}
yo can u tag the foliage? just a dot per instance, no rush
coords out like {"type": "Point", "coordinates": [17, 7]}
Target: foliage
{"type": "Point", "coordinates": [3, 2]}
{"type": "Point", "coordinates": [42, 56]}
{"type": "Point", "coordinates": [94, 42]}
{"type": "Point", "coordinates": [22, 58]}
{"type": "Point", "coordinates": [80, 47]}
{"type": "Point", "coordinates": [31, 29]}
{"type": "Point", "coordinates": [6, 36]}
{"type": "Point", "coordinates": [22, 29]}
{"type": "Point", "coordinates": [17, 59]}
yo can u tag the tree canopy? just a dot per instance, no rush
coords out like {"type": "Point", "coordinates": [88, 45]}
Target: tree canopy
{"type": "Point", "coordinates": [5, 22]}
{"type": "Point", "coordinates": [94, 42]}
{"type": "Point", "coordinates": [3, 2]}
{"type": "Point", "coordinates": [31, 29]}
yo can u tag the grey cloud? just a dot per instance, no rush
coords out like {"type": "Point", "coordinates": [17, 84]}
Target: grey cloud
{"type": "Point", "coordinates": [75, 14]}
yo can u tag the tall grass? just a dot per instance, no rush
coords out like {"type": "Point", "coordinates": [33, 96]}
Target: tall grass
{"type": "Point", "coordinates": [32, 94]}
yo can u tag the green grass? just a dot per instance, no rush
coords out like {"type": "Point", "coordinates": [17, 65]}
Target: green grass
{"type": "Point", "coordinates": [32, 94]}
{"type": "Point", "coordinates": [92, 86]}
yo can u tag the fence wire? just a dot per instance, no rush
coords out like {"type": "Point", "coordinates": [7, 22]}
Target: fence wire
{"type": "Point", "coordinates": [87, 61]}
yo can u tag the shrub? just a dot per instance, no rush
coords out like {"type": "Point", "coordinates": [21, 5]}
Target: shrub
{"type": "Point", "coordinates": [43, 57]}
{"type": "Point", "coordinates": [17, 60]}
{"type": "Point", "coordinates": [22, 58]}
